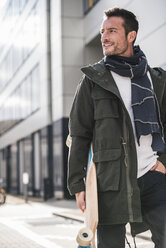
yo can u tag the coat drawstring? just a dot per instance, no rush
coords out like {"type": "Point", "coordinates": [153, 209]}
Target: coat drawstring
{"type": "Point", "coordinates": [129, 243]}
{"type": "Point", "coordinates": [134, 242]}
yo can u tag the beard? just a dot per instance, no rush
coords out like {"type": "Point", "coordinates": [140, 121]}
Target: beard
{"type": "Point", "coordinates": [115, 50]}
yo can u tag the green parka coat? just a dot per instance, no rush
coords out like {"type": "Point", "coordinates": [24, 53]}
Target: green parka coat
{"type": "Point", "coordinates": [99, 115]}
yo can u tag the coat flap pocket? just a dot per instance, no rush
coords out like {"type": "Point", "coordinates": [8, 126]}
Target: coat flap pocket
{"type": "Point", "coordinates": [102, 94]}
{"type": "Point", "coordinates": [105, 104]}
{"type": "Point", "coordinates": [106, 155]}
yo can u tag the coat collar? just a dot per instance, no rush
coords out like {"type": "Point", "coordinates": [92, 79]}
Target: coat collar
{"type": "Point", "coordinates": [100, 75]}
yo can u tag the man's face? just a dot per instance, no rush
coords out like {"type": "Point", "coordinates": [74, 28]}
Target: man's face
{"type": "Point", "coordinates": [113, 38]}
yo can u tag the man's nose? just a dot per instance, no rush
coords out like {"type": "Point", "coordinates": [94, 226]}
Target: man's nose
{"type": "Point", "coordinates": [104, 37]}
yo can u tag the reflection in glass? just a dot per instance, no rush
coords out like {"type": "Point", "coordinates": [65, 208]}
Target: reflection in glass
{"type": "Point", "coordinates": [35, 89]}
{"type": "Point", "coordinates": [25, 40]}
{"type": "Point", "coordinates": [24, 101]}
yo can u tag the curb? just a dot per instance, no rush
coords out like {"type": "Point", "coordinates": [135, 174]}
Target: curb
{"type": "Point", "coordinates": [70, 217]}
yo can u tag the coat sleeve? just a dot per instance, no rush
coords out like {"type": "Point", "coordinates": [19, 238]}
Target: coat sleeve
{"type": "Point", "coordinates": [81, 121]}
{"type": "Point", "coordinates": [162, 156]}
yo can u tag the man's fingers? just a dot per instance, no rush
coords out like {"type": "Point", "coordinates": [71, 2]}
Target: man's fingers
{"type": "Point", "coordinates": [80, 197]}
{"type": "Point", "coordinates": [154, 167]}
{"type": "Point", "coordinates": [159, 167]}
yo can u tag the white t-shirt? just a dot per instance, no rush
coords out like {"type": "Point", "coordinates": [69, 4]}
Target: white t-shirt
{"type": "Point", "coordinates": [145, 155]}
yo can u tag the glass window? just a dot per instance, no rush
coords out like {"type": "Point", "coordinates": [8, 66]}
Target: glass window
{"type": "Point", "coordinates": [15, 108]}
{"type": "Point", "coordinates": [1, 120]}
{"type": "Point", "coordinates": [4, 118]}
{"type": "Point", "coordinates": [22, 4]}
{"type": "Point", "coordinates": [18, 105]}
{"type": "Point", "coordinates": [9, 112]}
{"type": "Point", "coordinates": [2, 76]}
{"type": "Point", "coordinates": [7, 68]}
{"type": "Point", "coordinates": [18, 51]}
{"type": "Point", "coordinates": [29, 94]}
{"type": "Point", "coordinates": [16, 6]}
{"type": "Point", "coordinates": [11, 63]}
{"type": "Point", "coordinates": [36, 25]}
{"type": "Point", "coordinates": [22, 102]}
{"type": "Point", "coordinates": [25, 40]}
{"type": "Point", "coordinates": [14, 59]}
{"type": "Point", "coordinates": [35, 89]}
{"type": "Point", "coordinates": [26, 97]}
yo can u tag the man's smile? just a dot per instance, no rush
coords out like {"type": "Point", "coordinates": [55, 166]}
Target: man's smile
{"type": "Point", "coordinates": [107, 44]}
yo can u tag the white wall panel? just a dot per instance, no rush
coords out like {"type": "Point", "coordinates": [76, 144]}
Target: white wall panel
{"type": "Point", "coordinates": [93, 53]}
{"type": "Point", "coordinates": [68, 100]}
{"type": "Point", "coordinates": [72, 52]}
{"type": "Point", "coordinates": [154, 47]}
{"type": "Point", "coordinates": [72, 27]}
{"type": "Point", "coordinates": [151, 15]}
{"type": "Point", "coordinates": [57, 84]}
{"type": "Point", "coordinates": [72, 8]}
{"type": "Point", "coordinates": [56, 56]}
{"type": "Point", "coordinates": [57, 103]}
{"type": "Point", "coordinates": [72, 76]}
{"type": "Point", "coordinates": [72, 49]}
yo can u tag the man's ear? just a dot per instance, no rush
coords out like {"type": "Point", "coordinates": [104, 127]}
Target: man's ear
{"type": "Point", "coordinates": [131, 36]}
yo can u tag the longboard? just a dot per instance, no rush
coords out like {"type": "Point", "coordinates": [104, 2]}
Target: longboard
{"type": "Point", "coordinates": [86, 236]}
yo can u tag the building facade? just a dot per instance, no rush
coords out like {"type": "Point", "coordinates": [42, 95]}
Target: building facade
{"type": "Point", "coordinates": [43, 45]}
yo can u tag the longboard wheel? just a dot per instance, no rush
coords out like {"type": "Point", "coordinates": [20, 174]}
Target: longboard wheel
{"type": "Point", "coordinates": [84, 236]}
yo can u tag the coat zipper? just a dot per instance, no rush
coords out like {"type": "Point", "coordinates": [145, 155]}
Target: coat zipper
{"type": "Point", "coordinates": [125, 141]}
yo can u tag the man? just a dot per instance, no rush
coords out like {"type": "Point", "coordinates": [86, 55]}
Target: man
{"type": "Point", "coordinates": [119, 106]}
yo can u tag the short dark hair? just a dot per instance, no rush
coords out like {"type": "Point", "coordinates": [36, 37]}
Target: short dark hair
{"type": "Point", "coordinates": [130, 20]}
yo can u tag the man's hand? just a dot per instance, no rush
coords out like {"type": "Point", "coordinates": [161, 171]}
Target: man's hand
{"type": "Point", "coordinates": [80, 198]}
{"type": "Point", "coordinates": [159, 167]}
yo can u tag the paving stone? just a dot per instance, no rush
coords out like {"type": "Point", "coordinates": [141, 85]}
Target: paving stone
{"type": "Point", "coordinates": [12, 239]}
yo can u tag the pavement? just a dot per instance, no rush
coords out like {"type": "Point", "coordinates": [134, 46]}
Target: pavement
{"type": "Point", "coordinates": [51, 224]}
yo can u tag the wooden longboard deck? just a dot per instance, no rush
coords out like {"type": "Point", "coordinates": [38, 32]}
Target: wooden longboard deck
{"type": "Point", "coordinates": [91, 212]}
